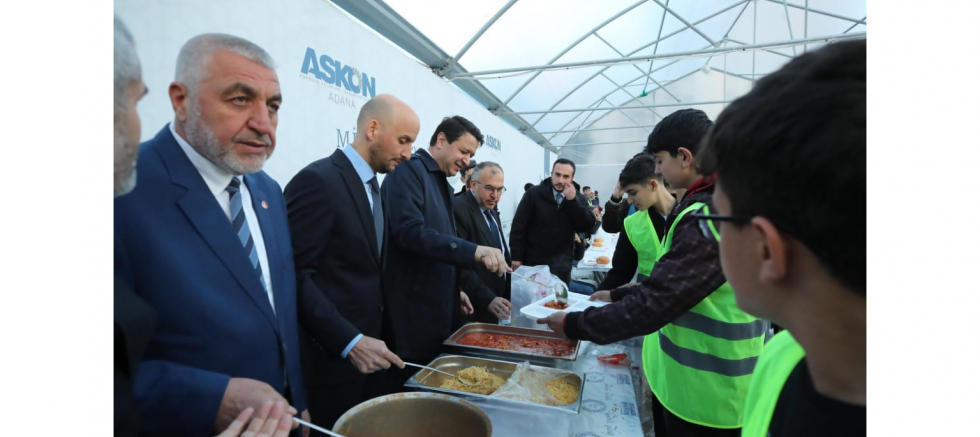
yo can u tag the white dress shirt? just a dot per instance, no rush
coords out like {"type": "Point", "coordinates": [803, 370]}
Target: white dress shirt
{"type": "Point", "coordinates": [217, 180]}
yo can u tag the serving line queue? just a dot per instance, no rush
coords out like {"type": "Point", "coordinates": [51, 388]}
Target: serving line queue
{"type": "Point", "coordinates": [364, 278]}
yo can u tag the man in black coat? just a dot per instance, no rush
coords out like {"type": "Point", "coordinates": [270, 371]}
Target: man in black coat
{"type": "Point", "coordinates": [337, 223]}
{"type": "Point", "coordinates": [544, 227]}
{"type": "Point", "coordinates": [464, 177]}
{"type": "Point", "coordinates": [478, 222]}
{"type": "Point", "coordinates": [423, 297]}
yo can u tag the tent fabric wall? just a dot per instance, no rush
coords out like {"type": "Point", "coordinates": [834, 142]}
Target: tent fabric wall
{"type": "Point", "coordinates": [317, 117]}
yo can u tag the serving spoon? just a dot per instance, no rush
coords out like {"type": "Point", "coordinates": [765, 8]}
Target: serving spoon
{"type": "Point", "coordinates": [456, 377]}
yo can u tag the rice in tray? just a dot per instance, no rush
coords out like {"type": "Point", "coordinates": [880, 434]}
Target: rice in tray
{"type": "Point", "coordinates": [564, 392]}
{"type": "Point", "coordinates": [486, 382]}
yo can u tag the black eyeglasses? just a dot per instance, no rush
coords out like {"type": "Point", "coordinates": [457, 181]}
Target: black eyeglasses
{"type": "Point", "coordinates": [707, 226]}
{"type": "Point", "coordinates": [499, 190]}
{"type": "Point", "coordinates": [709, 231]}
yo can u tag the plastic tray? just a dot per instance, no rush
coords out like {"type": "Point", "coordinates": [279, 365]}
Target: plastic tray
{"type": "Point", "coordinates": [576, 302]}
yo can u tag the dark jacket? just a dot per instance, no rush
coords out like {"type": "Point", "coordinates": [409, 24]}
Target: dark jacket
{"type": "Point", "coordinates": [479, 284]}
{"type": "Point", "coordinates": [543, 233]}
{"type": "Point", "coordinates": [133, 323]}
{"type": "Point", "coordinates": [683, 277]}
{"type": "Point", "coordinates": [424, 251]}
{"type": "Point", "coordinates": [615, 213]}
{"type": "Point", "coordinates": [338, 267]}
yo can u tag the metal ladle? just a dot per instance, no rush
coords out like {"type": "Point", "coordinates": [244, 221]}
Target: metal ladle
{"type": "Point", "coordinates": [456, 377]}
{"type": "Point", "coordinates": [310, 425]}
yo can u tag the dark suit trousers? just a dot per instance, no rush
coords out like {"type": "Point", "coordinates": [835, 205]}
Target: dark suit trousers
{"type": "Point", "coordinates": [327, 402]}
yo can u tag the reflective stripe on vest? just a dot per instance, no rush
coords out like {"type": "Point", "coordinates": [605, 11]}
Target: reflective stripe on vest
{"type": "Point", "coordinates": [699, 366]}
{"type": "Point", "coordinates": [780, 357]}
{"type": "Point", "coordinates": [639, 229]}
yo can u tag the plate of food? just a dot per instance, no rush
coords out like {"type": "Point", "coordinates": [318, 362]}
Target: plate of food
{"type": "Point", "coordinates": [599, 262]}
{"type": "Point", "coordinates": [547, 306]}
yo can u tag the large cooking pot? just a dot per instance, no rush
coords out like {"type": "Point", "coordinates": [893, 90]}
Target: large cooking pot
{"type": "Point", "coordinates": [414, 415]}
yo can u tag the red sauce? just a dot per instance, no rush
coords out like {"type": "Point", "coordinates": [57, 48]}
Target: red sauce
{"type": "Point", "coordinates": [541, 346]}
{"type": "Point", "coordinates": [555, 305]}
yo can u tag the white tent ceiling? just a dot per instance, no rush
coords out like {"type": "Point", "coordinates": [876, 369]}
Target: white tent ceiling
{"type": "Point", "coordinates": [565, 72]}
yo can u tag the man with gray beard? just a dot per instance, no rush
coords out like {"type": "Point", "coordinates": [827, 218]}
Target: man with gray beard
{"type": "Point", "coordinates": [203, 239]}
{"type": "Point", "coordinates": [133, 319]}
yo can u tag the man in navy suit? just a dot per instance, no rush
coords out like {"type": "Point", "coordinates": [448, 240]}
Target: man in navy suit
{"type": "Point", "coordinates": [204, 240]}
{"type": "Point", "coordinates": [337, 220]}
{"type": "Point", "coordinates": [423, 298]}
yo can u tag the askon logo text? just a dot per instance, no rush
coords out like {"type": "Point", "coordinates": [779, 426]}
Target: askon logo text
{"type": "Point", "coordinates": [333, 71]}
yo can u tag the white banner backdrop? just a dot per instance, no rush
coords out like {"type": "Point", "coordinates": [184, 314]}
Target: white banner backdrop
{"type": "Point", "coordinates": [328, 65]}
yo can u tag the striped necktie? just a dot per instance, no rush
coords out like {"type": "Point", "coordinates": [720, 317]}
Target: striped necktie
{"type": "Point", "coordinates": [240, 225]}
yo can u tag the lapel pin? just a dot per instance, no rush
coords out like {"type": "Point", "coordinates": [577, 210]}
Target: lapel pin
{"type": "Point", "coordinates": [265, 205]}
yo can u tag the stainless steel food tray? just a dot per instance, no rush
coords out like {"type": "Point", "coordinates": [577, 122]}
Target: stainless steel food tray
{"type": "Point", "coordinates": [564, 362]}
{"type": "Point", "coordinates": [430, 381]}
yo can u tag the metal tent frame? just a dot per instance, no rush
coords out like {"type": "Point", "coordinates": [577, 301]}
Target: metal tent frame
{"type": "Point", "coordinates": [381, 17]}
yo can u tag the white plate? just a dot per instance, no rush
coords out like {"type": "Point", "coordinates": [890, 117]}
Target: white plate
{"type": "Point", "coordinates": [576, 302]}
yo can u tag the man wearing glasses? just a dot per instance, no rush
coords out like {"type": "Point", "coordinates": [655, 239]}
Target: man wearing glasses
{"type": "Point", "coordinates": [478, 221]}
{"type": "Point", "coordinates": [703, 348]}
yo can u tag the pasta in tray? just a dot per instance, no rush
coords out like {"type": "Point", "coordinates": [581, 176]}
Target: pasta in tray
{"type": "Point", "coordinates": [564, 392]}
{"type": "Point", "coordinates": [486, 382]}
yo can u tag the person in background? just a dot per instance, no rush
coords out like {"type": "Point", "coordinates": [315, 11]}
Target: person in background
{"type": "Point", "coordinates": [338, 245]}
{"type": "Point", "coordinates": [547, 218]}
{"type": "Point", "coordinates": [617, 209]}
{"type": "Point", "coordinates": [700, 347]}
{"type": "Point", "coordinates": [643, 231]}
{"type": "Point", "coordinates": [587, 194]}
{"type": "Point", "coordinates": [422, 293]}
{"type": "Point", "coordinates": [619, 206]}
{"type": "Point", "coordinates": [464, 177]}
{"type": "Point", "coordinates": [791, 210]}
{"type": "Point", "coordinates": [203, 238]}
{"type": "Point", "coordinates": [133, 318]}
{"type": "Point", "coordinates": [478, 222]}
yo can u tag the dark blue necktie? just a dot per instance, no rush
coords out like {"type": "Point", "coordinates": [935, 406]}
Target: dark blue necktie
{"type": "Point", "coordinates": [493, 229]}
{"type": "Point", "coordinates": [379, 216]}
{"type": "Point", "coordinates": [240, 225]}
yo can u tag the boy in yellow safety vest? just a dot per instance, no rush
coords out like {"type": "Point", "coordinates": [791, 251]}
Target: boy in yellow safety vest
{"type": "Point", "coordinates": [790, 205]}
{"type": "Point", "coordinates": [638, 252]}
{"type": "Point", "coordinates": [699, 348]}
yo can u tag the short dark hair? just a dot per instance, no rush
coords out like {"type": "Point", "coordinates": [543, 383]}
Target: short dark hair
{"type": "Point", "coordinates": [454, 127]}
{"type": "Point", "coordinates": [586, 188]}
{"type": "Point", "coordinates": [638, 170]}
{"type": "Point", "coordinates": [469, 166]}
{"type": "Point", "coordinates": [794, 150]}
{"type": "Point", "coordinates": [528, 186]}
{"type": "Point", "coordinates": [564, 161]}
{"type": "Point", "coordinates": [683, 128]}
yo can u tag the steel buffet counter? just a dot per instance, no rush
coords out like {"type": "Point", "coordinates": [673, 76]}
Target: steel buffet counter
{"type": "Point", "coordinates": [610, 401]}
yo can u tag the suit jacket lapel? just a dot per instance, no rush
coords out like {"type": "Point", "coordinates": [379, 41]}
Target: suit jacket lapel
{"type": "Point", "coordinates": [270, 239]}
{"type": "Point", "coordinates": [199, 206]}
{"type": "Point", "coordinates": [481, 221]}
{"type": "Point", "coordinates": [439, 176]}
{"type": "Point", "coordinates": [358, 193]}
